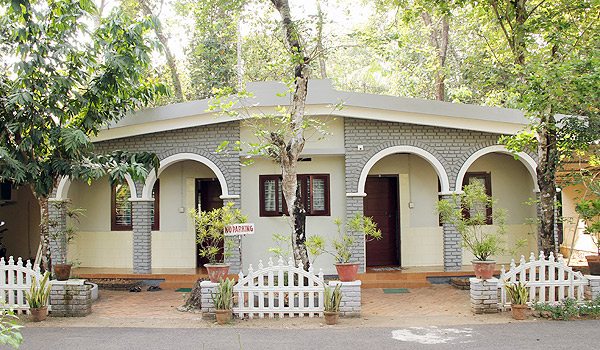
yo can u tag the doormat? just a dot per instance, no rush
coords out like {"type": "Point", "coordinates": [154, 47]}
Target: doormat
{"type": "Point", "coordinates": [395, 290]}
{"type": "Point", "coordinates": [184, 290]}
{"type": "Point", "coordinates": [389, 268]}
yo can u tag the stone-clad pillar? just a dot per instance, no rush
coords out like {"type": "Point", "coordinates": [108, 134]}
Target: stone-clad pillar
{"type": "Point", "coordinates": [142, 235]}
{"type": "Point", "coordinates": [354, 204]}
{"type": "Point", "coordinates": [452, 245]}
{"type": "Point", "coordinates": [57, 246]}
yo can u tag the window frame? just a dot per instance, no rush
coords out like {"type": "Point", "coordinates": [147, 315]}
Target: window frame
{"type": "Point", "coordinates": [113, 209]}
{"type": "Point", "coordinates": [488, 190]}
{"type": "Point", "coordinates": [307, 188]}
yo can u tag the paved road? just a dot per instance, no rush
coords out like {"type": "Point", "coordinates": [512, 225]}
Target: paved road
{"type": "Point", "coordinates": [529, 335]}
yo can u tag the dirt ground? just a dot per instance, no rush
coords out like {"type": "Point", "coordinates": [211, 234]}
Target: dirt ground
{"type": "Point", "coordinates": [438, 305]}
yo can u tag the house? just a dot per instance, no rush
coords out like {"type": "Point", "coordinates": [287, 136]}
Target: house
{"type": "Point", "coordinates": [388, 157]}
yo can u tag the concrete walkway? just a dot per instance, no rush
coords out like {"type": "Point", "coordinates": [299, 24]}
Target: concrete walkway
{"type": "Point", "coordinates": [436, 305]}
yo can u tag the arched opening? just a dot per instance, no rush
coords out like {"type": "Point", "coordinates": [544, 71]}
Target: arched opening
{"type": "Point", "coordinates": [401, 191]}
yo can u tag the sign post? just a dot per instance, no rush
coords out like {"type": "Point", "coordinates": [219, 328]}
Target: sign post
{"type": "Point", "coordinates": [239, 230]}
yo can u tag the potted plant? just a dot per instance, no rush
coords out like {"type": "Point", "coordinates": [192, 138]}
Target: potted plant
{"type": "Point", "coordinates": [37, 298]}
{"type": "Point", "coordinates": [210, 234]}
{"type": "Point", "coordinates": [343, 244]}
{"type": "Point", "coordinates": [518, 294]}
{"type": "Point", "coordinates": [332, 304]}
{"type": "Point", "coordinates": [222, 300]}
{"type": "Point", "coordinates": [468, 213]}
{"type": "Point", "coordinates": [590, 213]}
{"type": "Point", "coordinates": [62, 235]}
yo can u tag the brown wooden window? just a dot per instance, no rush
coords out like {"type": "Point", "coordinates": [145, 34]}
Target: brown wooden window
{"type": "Point", "coordinates": [486, 180]}
{"type": "Point", "coordinates": [121, 219]}
{"type": "Point", "coordinates": [314, 190]}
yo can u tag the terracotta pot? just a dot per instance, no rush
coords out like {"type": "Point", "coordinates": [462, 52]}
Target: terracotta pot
{"type": "Point", "coordinates": [594, 264]}
{"type": "Point", "coordinates": [62, 272]}
{"type": "Point", "coordinates": [217, 271]}
{"type": "Point", "coordinates": [38, 314]}
{"type": "Point", "coordinates": [484, 269]}
{"type": "Point", "coordinates": [223, 316]}
{"type": "Point", "coordinates": [518, 311]}
{"type": "Point", "coordinates": [331, 317]}
{"type": "Point", "coordinates": [347, 272]}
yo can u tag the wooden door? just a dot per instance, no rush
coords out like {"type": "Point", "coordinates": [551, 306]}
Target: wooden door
{"type": "Point", "coordinates": [208, 192]}
{"type": "Point", "coordinates": [381, 203]}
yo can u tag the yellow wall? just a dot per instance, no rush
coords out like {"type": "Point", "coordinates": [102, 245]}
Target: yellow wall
{"type": "Point", "coordinates": [255, 246]}
{"type": "Point", "coordinates": [22, 221]}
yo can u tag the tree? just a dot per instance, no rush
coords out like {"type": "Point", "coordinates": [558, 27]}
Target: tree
{"type": "Point", "coordinates": [66, 84]}
{"type": "Point", "coordinates": [551, 50]}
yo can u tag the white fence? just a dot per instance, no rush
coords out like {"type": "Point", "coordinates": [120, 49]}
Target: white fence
{"type": "Point", "coordinates": [547, 279]}
{"type": "Point", "coordinates": [281, 290]}
{"type": "Point", "coordinates": [15, 279]}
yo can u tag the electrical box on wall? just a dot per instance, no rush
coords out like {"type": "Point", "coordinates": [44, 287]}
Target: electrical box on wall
{"type": "Point", "coordinates": [411, 205]}
{"type": "Point", "coordinates": [361, 147]}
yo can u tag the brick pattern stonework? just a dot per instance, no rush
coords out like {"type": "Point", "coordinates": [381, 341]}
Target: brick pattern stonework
{"type": "Point", "coordinates": [142, 236]}
{"type": "Point", "coordinates": [207, 288]}
{"type": "Point", "coordinates": [484, 295]}
{"type": "Point", "coordinates": [452, 147]}
{"type": "Point", "coordinates": [351, 297]}
{"type": "Point", "coordinates": [57, 246]}
{"type": "Point", "coordinates": [201, 140]}
{"type": "Point", "coordinates": [71, 298]}
{"type": "Point", "coordinates": [593, 290]}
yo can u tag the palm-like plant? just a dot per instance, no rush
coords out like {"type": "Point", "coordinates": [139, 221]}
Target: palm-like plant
{"type": "Point", "coordinates": [37, 296]}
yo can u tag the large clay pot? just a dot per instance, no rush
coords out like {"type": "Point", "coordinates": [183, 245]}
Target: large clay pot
{"type": "Point", "coordinates": [217, 271]}
{"type": "Point", "coordinates": [223, 316]}
{"type": "Point", "coordinates": [347, 272]}
{"type": "Point", "coordinates": [62, 272]}
{"type": "Point", "coordinates": [518, 311]}
{"type": "Point", "coordinates": [484, 269]}
{"type": "Point", "coordinates": [594, 264]}
{"type": "Point", "coordinates": [331, 317]}
{"type": "Point", "coordinates": [38, 314]}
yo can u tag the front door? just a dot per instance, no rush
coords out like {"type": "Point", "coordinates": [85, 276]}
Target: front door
{"type": "Point", "coordinates": [381, 203]}
{"type": "Point", "coordinates": [208, 193]}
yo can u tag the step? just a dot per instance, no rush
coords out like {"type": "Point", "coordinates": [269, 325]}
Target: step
{"type": "Point", "coordinates": [176, 285]}
{"type": "Point", "coordinates": [387, 276]}
{"type": "Point", "coordinates": [396, 284]}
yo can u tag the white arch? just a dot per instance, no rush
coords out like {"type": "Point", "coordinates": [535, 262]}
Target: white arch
{"type": "Point", "coordinates": [439, 168]}
{"type": "Point", "coordinates": [179, 157]}
{"type": "Point", "coordinates": [64, 184]}
{"type": "Point", "coordinates": [525, 158]}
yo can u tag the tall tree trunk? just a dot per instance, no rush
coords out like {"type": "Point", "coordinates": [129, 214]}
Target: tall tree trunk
{"type": "Point", "coordinates": [439, 41]}
{"type": "Point", "coordinates": [169, 56]}
{"type": "Point", "coordinates": [290, 152]}
{"type": "Point", "coordinates": [320, 48]}
{"type": "Point", "coordinates": [46, 256]}
{"type": "Point", "coordinates": [546, 174]}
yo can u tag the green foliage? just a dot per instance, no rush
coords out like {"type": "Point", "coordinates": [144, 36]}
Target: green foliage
{"type": "Point", "coordinates": [66, 83]}
{"type": "Point", "coordinates": [37, 296]}
{"type": "Point", "coordinates": [283, 245]}
{"type": "Point", "coordinates": [9, 327]}
{"type": "Point", "coordinates": [477, 238]}
{"type": "Point", "coordinates": [210, 234]}
{"type": "Point", "coordinates": [344, 243]}
{"type": "Point", "coordinates": [223, 297]}
{"type": "Point", "coordinates": [517, 292]}
{"type": "Point", "coordinates": [568, 308]}
{"type": "Point", "coordinates": [333, 298]}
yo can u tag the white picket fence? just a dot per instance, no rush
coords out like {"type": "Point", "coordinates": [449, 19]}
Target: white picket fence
{"type": "Point", "coordinates": [281, 290]}
{"type": "Point", "coordinates": [547, 279]}
{"type": "Point", "coordinates": [15, 279]}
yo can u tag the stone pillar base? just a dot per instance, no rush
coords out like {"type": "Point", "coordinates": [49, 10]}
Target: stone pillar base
{"type": "Point", "coordinates": [71, 298]}
{"type": "Point", "coordinates": [207, 288]}
{"type": "Point", "coordinates": [593, 290]}
{"type": "Point", "coordinates": [484, 295]}
{"type": "Point", "coordinates": [351, 297]}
